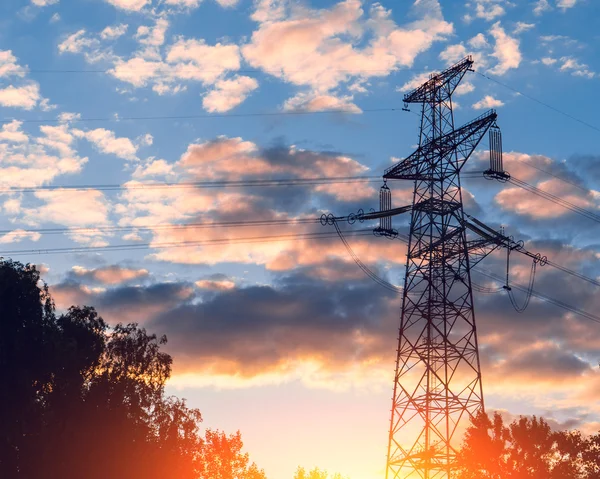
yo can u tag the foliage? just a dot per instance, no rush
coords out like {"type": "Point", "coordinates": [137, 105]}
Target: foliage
{"type": "Point", "coordinates": [80, 399]}
{"type": "Point", "coordinates": [316, 473]}
{"type": "Point", "coordinates": [526, 449]}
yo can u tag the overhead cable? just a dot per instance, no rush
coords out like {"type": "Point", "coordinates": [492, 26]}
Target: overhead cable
{"type": "Point", "coordinates": [207, 116]}
{"type": "Point", "coordinates": [181, 244]}
{"type": "Point", "coordinates": [561, 112]}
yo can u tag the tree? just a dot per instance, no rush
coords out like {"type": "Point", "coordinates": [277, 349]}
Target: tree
{"type": "Point", "coordinates": [81, 399]}
{"type": "Point", "coordinates": [315, 473]}
{"type": "Point", "coordinates": [525, 449]}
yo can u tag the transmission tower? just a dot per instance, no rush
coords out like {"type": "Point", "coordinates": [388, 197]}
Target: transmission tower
{"type": "Point", "coordinates": [437, 383]}
{"type": "Point", "coordinates": [438, 375]}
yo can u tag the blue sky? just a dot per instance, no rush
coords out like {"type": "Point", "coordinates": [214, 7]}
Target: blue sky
{"type": "Point", "coordinates": [288, 341]}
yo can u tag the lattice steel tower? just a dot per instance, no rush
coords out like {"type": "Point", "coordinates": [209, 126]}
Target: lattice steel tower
{"type": "Point", "coordinates": [438, 375]}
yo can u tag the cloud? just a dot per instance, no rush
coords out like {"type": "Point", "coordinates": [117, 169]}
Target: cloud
{"type": "Point", "coordinates": [153, 36]}
{"type": "Point", "coordinates": [108, 143]}
{"type": "Point", "coordinates": [478, 41]}
{"type": "Point", "coordinates": [186, 60]}
{"type": "Point", "coordinates": [320, 102]}
{"type": "Point", "coordinates": [506, 51]}
{"type": "Point", "coordinates": [576, 68]}
{"type": "Point", "coordinates": [25, 97]}
{"type": "Point", "coordinates": [565, 4]}
{"type": "Point", "coordinates": [524, 203]}
{"type": "Point", "coordinates": [184, 3]}
{"type": "Point", "coordinates": [487, 102]}
{"type": "Point", "coordinates": [30, 160]}
{"type": "Point", "coordinates": [228, 94]}
{"type": "Point", "coordinates": [9, 65]}
{"type": "Point", "coordinates": [153, 167]}
{"type": "Point", "coordinates": [76, 42]}
{"type": "Point", "coordinates": [123, 303]}
{"type": "Point", "coordinates": [523, 27]}
{"type": "Point", "coordinates": [216, 282]}
{"type": "Point", "coordinates": [237, 159]}
{"type": "Point", "coordinates": [110, 275]}
{"type": "Point", "coordinates": [464, 88]}
{"type": "Point", "coordinates": [11, 132]}
{"type": "Point", "coordinates": [317, 48]}
{"type": "Point", "coordinates": [70, 207]}
{"type": "Point", "coordinates": [129, 5]}
{"type": "Point", "coordinates": [16, 236]}
{"type": "Point", "coordinates": [542, 6]}
{"type": "Point", "coordinates": [44, 3]}
{"type": "Point", "coordinates": [114, 31]}
{"type": "Point", "coordinates": [488, 10]}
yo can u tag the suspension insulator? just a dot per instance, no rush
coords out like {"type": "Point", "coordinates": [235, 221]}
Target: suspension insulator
{"type": "Point", "coordinates": [496, 150]}
{"type": "Point", "coordinates": [385, 204]}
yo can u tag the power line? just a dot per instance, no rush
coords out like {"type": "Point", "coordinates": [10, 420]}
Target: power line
{"type": "Point", "coordinates": [568, 115]}
{"type": "Point", "coordinates": [248, 71]}
{"type": "Point", "coordinates": [199, 117]}
{"type": "Point", "coordinates": [180, 244]}
{"type": "Point", "coordinates": [541, 296]}
{"type": "Point", "coordinates": [163, 226]}
{"type": "Point", "coordinates": [526, 289]}
{"type": "Point", "coordinates": [200, 184]}
{"type": "Point", "coordinates": [212, 184]}
{"type": "Point", "coordinates": [555, 199]}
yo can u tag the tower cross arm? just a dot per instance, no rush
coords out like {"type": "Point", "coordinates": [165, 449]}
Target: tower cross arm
{"type": "Point", "coordinates": [440, 85]}
{"type": "Point", "coordinates": [492, 240]}
{"type": "Point", "coordinates": [446, 154]}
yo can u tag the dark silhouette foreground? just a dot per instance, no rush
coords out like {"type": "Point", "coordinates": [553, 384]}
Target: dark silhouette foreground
{"type": "Point", "coordinates": [527, 448]}
{"type": "Point", "coordinates": [81, 400]}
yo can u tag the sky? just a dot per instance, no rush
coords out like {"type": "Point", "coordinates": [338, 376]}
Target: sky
{"type": "Point", "coordinates": [288, 341]}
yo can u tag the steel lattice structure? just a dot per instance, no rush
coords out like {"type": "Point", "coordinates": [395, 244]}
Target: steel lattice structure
{"type": "Point", "coordinates": [438, 376]}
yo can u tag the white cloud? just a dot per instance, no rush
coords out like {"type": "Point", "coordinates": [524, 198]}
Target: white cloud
{"type": "Point", "coordinates": [463, 88]}
{"type": "Point", "coordinates": [478, 41]}
{"type": "Point", "coordinates": [107, 142]}
{"type": "Point", "coordinates": [11, 132]}
{"type": "Point", "coordinates": [19, 235]}
{"type": "Point", "coordinates": [153, 36]}
{"type": "Point", "coordinates": [28, 160]}
{"type": "Point", "coordinates": [229, 93]}
{"type": "Point", "coordinates": [566, 4]}
{"type": "Point", "coordinates": [114, 31]}
{"type": "Point", "coordinates": [506, 51]}
{"type": "Point", "coordinates": [129, 5]}
{"type": "Point", "coordinates": [67, 117]}
{"type": "Point", "coordinates": [488, 10]}
{"type": "Point", "coordinates": [71, 208]}
{"type": "Point", "coordinates": [317, 48]}
{"type": "Point", "coordinates": [453, 53]}
{"type": "Point", "coordinates": [43, 3]}
{"type": "Point", "coordinates": [186, 60]}
{"type": "Point", "coordinates": [523, 27]}
{"type": "Point", "coordinates": [25, 97]}
{"type": "Point", "coordinates": [76, 42]}
{"type": "Point", "coordinates": [415, 82]}
{"type": "Point", "coordinates": [487, 102]}
{"type": "Point", "coordinates": [9, 65]}
{"type": "Point", "coordinates": [542, 6]}
{"type": "Point", "coordinates": [157, 168]}
{"type": "Point", "coordinates": [549, 61]}
{"type": "Point", "coordinates": [184, 3]}
{"type": "Point", "coordinates": [55, 18]}
{"type": "Point", "coordinates": [320, 102]}
{"type": "Point", "coordinates": [577, 69]}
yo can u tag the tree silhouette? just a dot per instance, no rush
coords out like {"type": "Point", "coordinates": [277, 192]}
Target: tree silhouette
{"type": "Point", "coordinates": [81, 399]}
{"type": "Point", "coordinates": [526, 449]}
{"type": "Point", "coordinates": [315, 473]}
